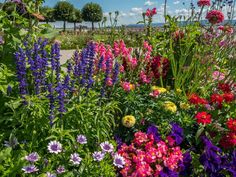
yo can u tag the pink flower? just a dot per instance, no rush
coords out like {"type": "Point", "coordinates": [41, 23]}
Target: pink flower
{"type": "Point", "coordinates": [109, 82]}
{"type": "Point", "coordinates": [215, 16]}
{"type": "Point", "coordinates": [140, 138]}
{"type": "Point", "coordinates": [216, 75]}
{"type": "Point", "coordinates": [126, 86]}
{"type": "Point", "coordinates": [154, 93]}
{"type": "Point", "coordinates": [201, 3]}
{"type": "Point", "coordinates": [154, 11]}
{"type": "Point", "coordinates": [122, 68]}
{"type": "Point", "coordinates": [150, 13]}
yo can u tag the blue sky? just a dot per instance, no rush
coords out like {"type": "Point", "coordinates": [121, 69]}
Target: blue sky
{"type": "Point", "coordinates": [131, 10]}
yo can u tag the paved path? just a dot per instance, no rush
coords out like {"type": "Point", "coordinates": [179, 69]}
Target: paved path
{"type": "Point", "coordinates": [65, 55]}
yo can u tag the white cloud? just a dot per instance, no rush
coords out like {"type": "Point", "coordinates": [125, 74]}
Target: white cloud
{"type": "Point", "coordinates": [176, 2]}
{"type": "Point", "coordinates": [137, 10]}
{"type": "Point", "coordinates": [149, 3]}
{"type": "Point", "coordinates": [184, 12]}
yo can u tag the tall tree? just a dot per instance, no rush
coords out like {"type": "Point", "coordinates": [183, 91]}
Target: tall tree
{"type": "Point", "coordinates": [63, 11]}
{"type": "Point", "coordinates": [92, 12]}
{"type": "Point", "coordinates": [76, 17]}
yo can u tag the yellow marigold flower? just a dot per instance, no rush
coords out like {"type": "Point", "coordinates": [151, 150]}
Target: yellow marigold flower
{"type": "Point", "coordinates": [159, 89]}
{"type": "Point", "coordinates": [184, 105]}
{"type": "Point", "coordinates": [128, 121]}
{"type": "Point", "coordinates": [170, 106]}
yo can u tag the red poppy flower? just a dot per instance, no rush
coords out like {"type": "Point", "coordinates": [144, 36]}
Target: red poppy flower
{"type": "Point", "coordinates": [203, 117]}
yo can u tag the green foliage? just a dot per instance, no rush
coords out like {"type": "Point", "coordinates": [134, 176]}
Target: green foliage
{"type": "Point", "coordinates": [48, 14]}
{"type": "Point", "coordinates": [63, 11]}
{"type": "Point", "coordinates": [76, 16]}
{"type": "Point", "coordinates": [92, 12]}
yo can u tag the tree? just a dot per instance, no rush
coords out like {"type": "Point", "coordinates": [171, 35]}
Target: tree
{"type": "Point", "coordinates": [76, 17]}
{"type": "Point", "coordinates": [63, 11]}
{"type": "Point", "coordinates": [92, 12]}
{"type": "Point", "coordinates": [48, 14]}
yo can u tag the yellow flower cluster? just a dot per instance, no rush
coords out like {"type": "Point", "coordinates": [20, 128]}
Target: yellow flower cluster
{"type": "Point", "coordinates": [159, 89]}
{"type": "Point", "coordinates": [170, 106]}
{"type": "Point", "coordinates": [184, 105]}
{"type": "Point", "coordinates": [128, 121]}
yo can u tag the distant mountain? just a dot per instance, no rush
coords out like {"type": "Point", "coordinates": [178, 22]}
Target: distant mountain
{"type": "Point", "coordinates": [203, 22]}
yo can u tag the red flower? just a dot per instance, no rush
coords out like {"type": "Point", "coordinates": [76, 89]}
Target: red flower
{"type": "Point", "coordinates": [228, 97]}
{"type": "Point", "coordinates": [215, 16]}
{"type": "Point", "coordinates": [150, 13]}
{"type": "Point", "coordinates": [203, 117]}
{"type": "Point", "coordinates": [179, 34]}
{"type": "Point", "coordinates": [224, 87]}
{"type": "Point", "coordinates": [216, 98]}
{"type": "Point", "coordinates": [231, 124]}
{"type": "Point", "coordinates": [229, 140]}
{"type": "Point", "coordinates": [201, 3]}
{"type": "Point", "coordinates": [195, 99]}
{"type": "Point", "coordinates": [160, 66]}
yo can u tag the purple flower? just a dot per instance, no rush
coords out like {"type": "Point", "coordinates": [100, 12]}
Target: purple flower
{"type": "Point", "coordinates": [61, 98]}
{"type": "Point", "coordinates": [21, 72]}
{"type": "Point", "coordinates": [118, 161]}
{"type": "Point", "coordinates": [32, 157]}
{"type": "Point", "coordinates": [30, 169]}
{"type": "Point", "coordinates": [177, 133]}
{"type": "Point", "coordinates": [9, 90]}
{"type": "Point", "coordinates": [13, 142]}
{"type": "Point", "coordinates": [51, 103]}
{"type": "Point", "coordinates": [81, 139]}
{"type": "Point", "coordinates": [90, 68]}
{"type": "Point", "coordinates": [60, 170]}
{"type": "Point", "coordinates": [186, 164]}
{"type": "Point", "coordinates": [115, 73]}
{"type": "Point", "coordinates": [98, 156]}
{"type": "Point", "coordinates": [54, 147]}
{"type": "Point", "coordinates": [75, 159]}
{"type": "Point", "coordinates": [1, 40]}
{"type": "Point", "coordinates": [168, 173]}
{"type": "Point", "coordinates": [50, 174]}
{"type": "Point", "coordinates": [118, 141]}
{"type": "Point", "coordinates": [107, 147]}
{"type": "Point", "coordinates": [152, 129]}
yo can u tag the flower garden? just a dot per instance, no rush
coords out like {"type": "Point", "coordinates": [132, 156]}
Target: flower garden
{"type": "Point", "coordinates": [162, 104]}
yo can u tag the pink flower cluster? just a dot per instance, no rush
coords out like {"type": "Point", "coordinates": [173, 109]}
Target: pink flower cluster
{"type": "Point", "coordinates": [150, 13]}
{"type": "Point", "coordinates": [226, 29]}
{"type": "Point", "coordinates": [145, 157]}
{"type": "Point", "coordinates": [215, 16]}
{"type": "Point", "coordinates": [127, 86]}
{"type": "Point", "coordinates": [201, 3]}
